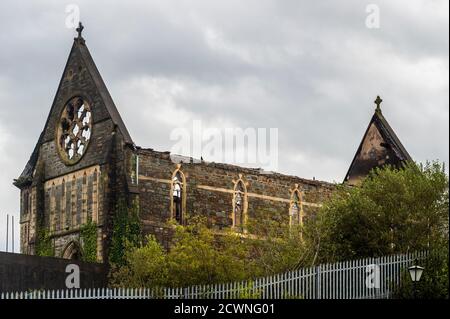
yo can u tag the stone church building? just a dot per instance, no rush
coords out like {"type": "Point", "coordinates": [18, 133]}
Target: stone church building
{"type": "Point", "coordinates": [85, 161]}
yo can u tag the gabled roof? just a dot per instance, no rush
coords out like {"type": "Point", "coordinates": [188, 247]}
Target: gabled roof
{"type": "Point", "coordinates": [388, 135]}
{"type": "Point", "coordinates": [101, 86]}
{"type": "Point", "coordinates": [79, 44]}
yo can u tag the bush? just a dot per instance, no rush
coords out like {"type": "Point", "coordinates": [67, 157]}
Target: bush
{"type": "Point", "coordinates": [434, 281]}
{"type": "Point", "coordinates": [145, 266]}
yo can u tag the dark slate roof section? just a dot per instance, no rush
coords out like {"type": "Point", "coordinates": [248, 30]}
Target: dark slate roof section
{"type": "Point", "coordinates": [27, 173]}
{"type": "Point", "coordinates": [388, 134]}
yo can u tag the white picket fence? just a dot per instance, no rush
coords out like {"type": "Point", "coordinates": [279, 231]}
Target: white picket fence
{"type": "Point", "coordinates": [370, 278]}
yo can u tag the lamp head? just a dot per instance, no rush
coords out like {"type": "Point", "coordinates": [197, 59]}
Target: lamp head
{"type": "Point", "coordinates": [415, 272]}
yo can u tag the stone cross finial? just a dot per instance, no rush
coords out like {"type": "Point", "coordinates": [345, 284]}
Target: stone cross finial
{"type": "Point", "coordinates": [378, 102]}
{"type": "Point", "coordinates": [79, 29]}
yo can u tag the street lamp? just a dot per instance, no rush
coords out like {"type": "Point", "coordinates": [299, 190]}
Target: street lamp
{"type": "Point", "coordinates": [416, 273]}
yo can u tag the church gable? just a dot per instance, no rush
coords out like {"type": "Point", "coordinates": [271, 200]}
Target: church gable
{"type": "Point", "coordinates": [77, 163]}
{"type": "Point", "coordinates": [380, 146]}
{"type": "Point", "coordinates": [78, 130]}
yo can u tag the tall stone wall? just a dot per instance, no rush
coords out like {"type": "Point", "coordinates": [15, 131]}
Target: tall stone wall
{"type": "Point", "coordinates": [209, 192]}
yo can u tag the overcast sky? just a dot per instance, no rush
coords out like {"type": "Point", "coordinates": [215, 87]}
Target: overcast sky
{"type": "Point", "coordinates": [312, 69]}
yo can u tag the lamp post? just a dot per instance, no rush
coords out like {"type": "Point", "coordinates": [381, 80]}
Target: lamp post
{"type": "Point", "coordinates": [416, 273]}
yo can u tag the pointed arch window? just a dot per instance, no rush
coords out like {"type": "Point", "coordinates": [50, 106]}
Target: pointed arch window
{"type": "Point", "coordinates": [295, 207]}
{"type": "Point", "coordinates": [240, 205]}
{"type": "Point", "coordinates": [178, 196]}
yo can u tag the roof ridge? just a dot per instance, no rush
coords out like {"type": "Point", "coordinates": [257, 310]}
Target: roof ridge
{"type": "Point", "coordinates": [390, 134]}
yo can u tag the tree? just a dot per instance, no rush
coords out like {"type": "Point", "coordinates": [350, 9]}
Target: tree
{"type": "Point", "coordinates": [196, 257]}
{"type": "Point", "coordinates": [393, 211]}
{"type": "Point", "coordinates": [274, 245]}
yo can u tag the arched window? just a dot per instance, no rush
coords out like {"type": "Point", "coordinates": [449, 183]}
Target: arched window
{"type": "Point", "coordinates": [239, 205]}
{"type": "Point", "coordinates": [178, 195]}
{"type": "Point", "coordinates": [295, 207]}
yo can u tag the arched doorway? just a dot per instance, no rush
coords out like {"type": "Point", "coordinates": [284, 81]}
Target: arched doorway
{"type": "Point", "coordinates": [72, 251]}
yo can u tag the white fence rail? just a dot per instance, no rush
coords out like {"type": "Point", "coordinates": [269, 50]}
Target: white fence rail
{"type": "Point", "coordinates": [370, 278]}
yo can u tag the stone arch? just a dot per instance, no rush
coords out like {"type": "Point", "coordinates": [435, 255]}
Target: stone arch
{"type": "Point", "coordinates": [72, 251]}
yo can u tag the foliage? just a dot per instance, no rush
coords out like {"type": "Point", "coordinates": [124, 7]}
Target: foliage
{"type": "Point", "coordinates": [88, 235]}
{"type": "Point", "coordinates": [146, 266]}
{"type": "Point", "coordinates": [194, 258]}
{"type": "Point", "coordinates": [434, 281]}
{"type": "Point", "coordinates": [275, 246]}
{"type": "Point", "coordinates": [248, 291]}
{"type": "Point", "coordinates": [393, 211]}
{"type": "Point", "coordinates": [44, 245]}
{"type": "Point", "coordinates": [126, 231]}
{"type": "Point", "coordinates": [197, 256]}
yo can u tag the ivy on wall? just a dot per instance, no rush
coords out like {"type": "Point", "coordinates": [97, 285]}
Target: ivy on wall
{"type": "Point", "coordinates": [126, 230]}
{"type": "Point", "coordinates": [44, 245]}
{"type": "Point", "coordinates": [88, 236]}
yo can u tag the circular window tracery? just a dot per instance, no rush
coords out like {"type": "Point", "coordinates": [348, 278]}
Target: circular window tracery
{"type": "Point", "coordinates": [74, 129]}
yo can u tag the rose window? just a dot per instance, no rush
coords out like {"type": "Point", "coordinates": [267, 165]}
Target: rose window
{"type": "Point", "coordinates": [74, 130]}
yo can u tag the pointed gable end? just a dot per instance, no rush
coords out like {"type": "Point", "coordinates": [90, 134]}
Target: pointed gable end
{"type": "Point", "coordinates": [80, 78]}
{"type": "Point", "coordinates": [380, 146]}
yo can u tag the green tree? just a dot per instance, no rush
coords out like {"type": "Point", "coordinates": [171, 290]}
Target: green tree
{"type": "Point", "coordinates": [197, 256]}
{"type": "Point", "coordinates": [144, 266]}
{"type": "Point", "coordinates": [274, 245]}
{"type": "Point", "coordinates": [393, 211]}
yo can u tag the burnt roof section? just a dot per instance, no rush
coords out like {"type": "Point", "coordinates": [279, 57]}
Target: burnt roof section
{"type": "Point", "coordinates": [387, 133]}
{"type": "Point", "coordinates": [79, 44]}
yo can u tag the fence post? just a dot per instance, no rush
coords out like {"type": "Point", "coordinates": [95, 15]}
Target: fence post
{"type": "Point", "coordinates": [318, 274]}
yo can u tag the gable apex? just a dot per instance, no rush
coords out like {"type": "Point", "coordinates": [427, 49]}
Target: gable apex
{"type": "Point", "coordinates": [79, 61]}
{"type": "Point", "coordinates": [379, 146]}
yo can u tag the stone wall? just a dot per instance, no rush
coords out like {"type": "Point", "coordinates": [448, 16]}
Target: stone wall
{"type": "Point", "coordinates": [209, 192]}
